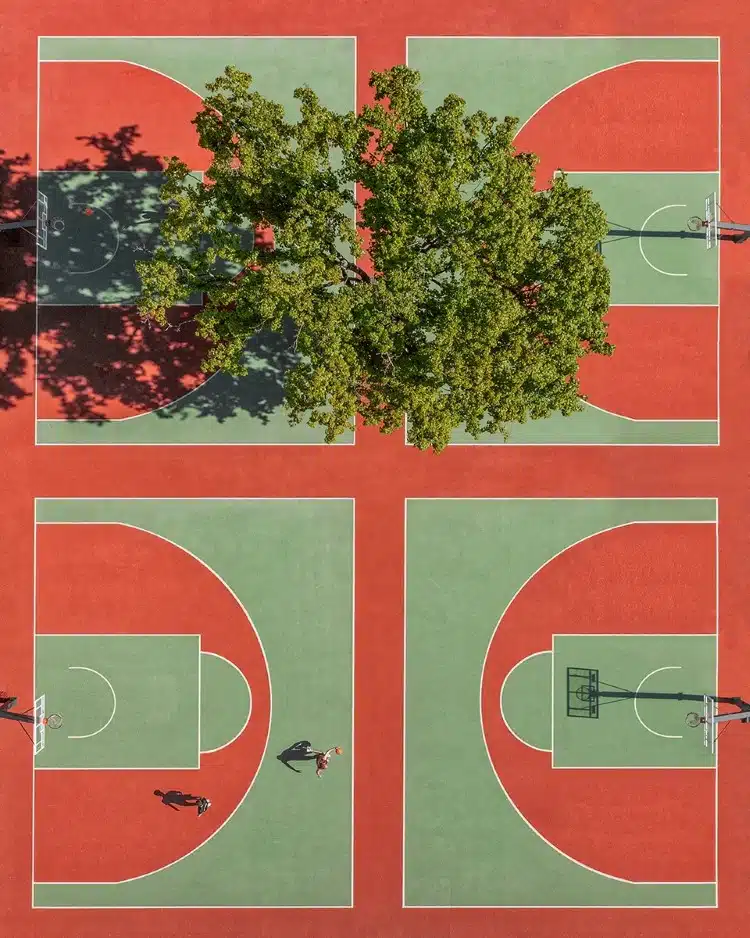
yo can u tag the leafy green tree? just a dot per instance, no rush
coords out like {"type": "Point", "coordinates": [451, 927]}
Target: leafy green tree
{"type": "Point", "coordinates": [478, 294]}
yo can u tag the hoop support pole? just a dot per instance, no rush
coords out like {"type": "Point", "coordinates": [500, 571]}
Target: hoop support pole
{"type": "Point", "coordinates": [17, 717]}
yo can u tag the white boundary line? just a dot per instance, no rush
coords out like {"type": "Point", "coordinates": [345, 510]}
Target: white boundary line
{"type": "Point", "coordinates": [405, 704]}
{"type": "Point", "coordinates": [242, 729]}
{"type": "Point", "coordinates": [716, 757]}
{"type": "Point", "coordinates": [662, 208]}
{"type": "Point", "coordinates": [718, 263]}
{"type": "Point", "coordinates": [36, 277]}
{"type": "Point", "coordinates": [525, 498]}
{"type": "Point", "coordinates": [110, 634]}
{"type": "Point", "coordinates": [611, 68]}
{"type": "Point", "coordinates": [642, 420]}
{"type": "Point", "coordinates": [116, 420]}
{"type": "Point", "coordinates": [33, 687]}
{"type": "Point", "coordinates": [716, 172]}
{"type": "Point", "coordinates": [668, 667]}
{"type": "Point", "coordinates": [78, 667]}
{"type": "Point", "coordinates": [666, 305]}
{"type": "Point", "coordinates": [200, 701]}
{"type": "Point", "coordinates": [353, 693]}
{"type": "Point", "coordinates": [195, 636]}
{"type": "Point", "coordinates": [547, 36]}
{"type": "Point", "coordinates": [404, 904]}
{"type": "Point", "coordinates": [231, 592]}
{"type": "Point", "coordinates": [518, 664]}
{"type": "Point", "coordinates": [647, 172]}
{"type": "Point", "coordinates": [270, 717]}
{"type": "Point", "coordinates": [65, 38]}
{"type": "Point", "coordinates": [656, 768]}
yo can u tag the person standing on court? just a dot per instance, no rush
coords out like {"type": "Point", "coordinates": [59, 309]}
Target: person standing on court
{"type": "Point", "coordinates": [173, 797]}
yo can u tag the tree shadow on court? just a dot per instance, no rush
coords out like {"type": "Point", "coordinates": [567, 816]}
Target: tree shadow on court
{"type": "Point", "coordinates": [98, 359]}
{"type": "Point", "coordinates": [17, 193]}
{"type": "Point", "coordinates": [297, 752]}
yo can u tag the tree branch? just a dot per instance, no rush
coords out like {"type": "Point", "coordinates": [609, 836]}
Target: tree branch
{"type": "Point", "coordinates": [353, 271]}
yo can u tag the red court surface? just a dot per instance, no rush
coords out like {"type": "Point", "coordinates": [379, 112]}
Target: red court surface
{"type": "Point", "coordinates": [379, 473]}
{"type": "Point", "coordinates": [641, 117]}
{"type": "Point", "coordinates": [84, 105]}
{"type": "Point", "coordinates": [102, 362]}
{"type": "Point", "coordinates": [672, 378]}
{"type": "Point", "coordinates": [171, 593]}
{"type": "Point", "coordinates": [637, 579]}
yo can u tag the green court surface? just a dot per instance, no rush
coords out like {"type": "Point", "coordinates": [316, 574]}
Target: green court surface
{"type": "Point", "coordinates": [531, 677]}
{"type": "Point", "coordinates": [652, 256]}
{"type": "Point", "coordinates": [111, 220]}
{"type": "Point", "coordinates": [92, 261]}
{"type": "Point", "coordinates": [226, 701]}
{"type": "Point", "coordinates": [466, 561]}
{"type": "Point", "coordinates": [518, 76]}
{"type": "Point", "coordinates": [634, 733]}
{"type": "Point", "coordinates": [593, 425]}
{"type": "Point", "coordinates": [129, 701]}
{"type": "Point", "coordinates": [290, 564]}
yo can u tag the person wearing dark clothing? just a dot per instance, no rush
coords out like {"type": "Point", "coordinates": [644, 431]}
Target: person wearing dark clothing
{"type": "Point", "coordinates": [173, 798]}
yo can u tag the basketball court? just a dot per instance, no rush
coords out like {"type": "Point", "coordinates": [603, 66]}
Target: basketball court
{"type": "Point", "coordinates": [103, 377]}
{"type": "Point", "coordinates": [583, 106]}
{"type": "Point", "coordinates": [159, 637]}
{"type": "Point", "coordinates": [572, 755]}
{"type": "Point", "coordinates": [542, 724]}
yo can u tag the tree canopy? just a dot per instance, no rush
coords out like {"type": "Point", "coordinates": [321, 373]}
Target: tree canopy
{"type": "Point", "coordinates": [473, 304]}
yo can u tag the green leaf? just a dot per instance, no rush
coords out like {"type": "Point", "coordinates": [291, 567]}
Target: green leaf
{"type": "Point", "coordinates": [486, 292]}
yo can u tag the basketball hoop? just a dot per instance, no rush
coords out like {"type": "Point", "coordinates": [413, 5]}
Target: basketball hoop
{"type": "Point", "coordinates": [694, 719]}
{"type": "Point", "coordinates": [54, 721]}
{"type": "Point", "coordinates": [696, 223]}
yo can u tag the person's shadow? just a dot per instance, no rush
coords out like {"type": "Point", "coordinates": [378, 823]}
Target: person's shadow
{"type": "Point", "coordinates": [297, 752]}
{"type": "Point", "coordinates": [173, 798]}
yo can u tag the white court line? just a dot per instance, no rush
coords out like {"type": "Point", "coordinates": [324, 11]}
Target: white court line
{"type": "Point", "coordinates": [718, 306]}
{"type": "Point", "coordinates": [716, 744]}
{"type": "Point", "coordinates": [110, 256]}
{"type": "Point", "coordinates": [249, 707]}
{"type": "Point", "coordinates": [499, 780]}
{"type": "Point", "coordinates": [404, 698]}
{"type": "Point", "coordinates": [231, 592]}
{"type": "Point", "coordinates": [484, 736]}
{"type": "Point", "coordinates": [642, 420]}
{"type": "Point", "coordinates": [233, 37]}
{"type": "Point", "coordinates": [601, 71]}
{"type": "Point", "coordinates": [265, 659]}
{"type": "Point", "coordinates": [630, 635]}
{"type": "Point", "coordinates": [34, 581]}
{"type": "Point", "coordinates": [200, 702]}
{"type": "Point", "coordinates": [656, 211]}
{"type": "Point", "coordinates": [546, 651]}
{"type": "Point", "coordinates": [115, 420]}
{"type": "Point", "coordinates": [669, 667]}
{"type": "Point", "coordinates": [75, 667]}
{"type": "Point", "coordinates": [607, 172]}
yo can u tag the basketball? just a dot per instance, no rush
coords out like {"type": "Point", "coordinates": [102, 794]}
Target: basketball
{"type": "Point", "coordinates": [339, 750]}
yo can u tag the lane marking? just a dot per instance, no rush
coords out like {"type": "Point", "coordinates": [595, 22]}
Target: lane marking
{"type": "Point", "coordinates": [669, 667]}
{"type": "Point", "coordinates": [109, 256]}
{"type": "Point", "coordinates": [510, 729]}
{"type": "Point", "coordinates": [241, 730]}
{"type": "Point", "coordinates": [667, 273]}
{"type": "Point", "coordinates": [76, 667]}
